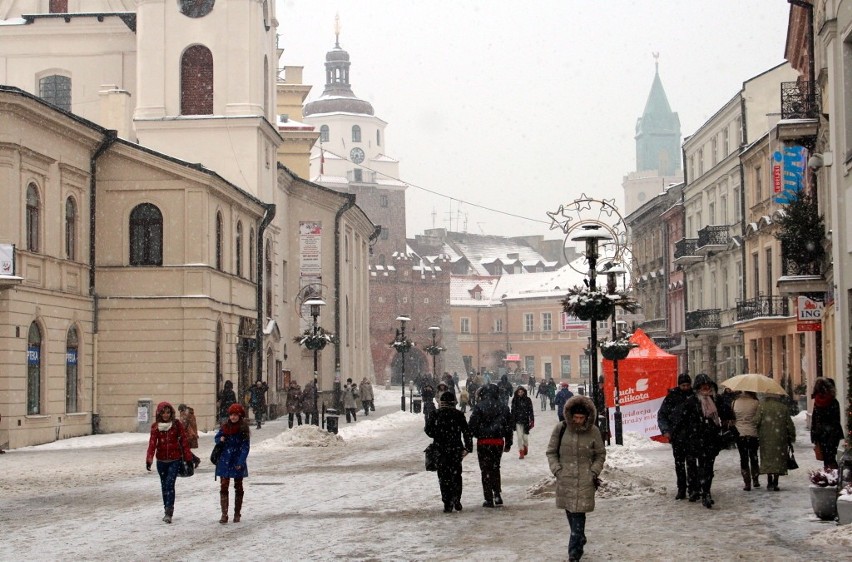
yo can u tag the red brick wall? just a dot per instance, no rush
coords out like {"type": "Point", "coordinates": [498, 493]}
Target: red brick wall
{"type": "Point", "coordinates": [196, 81]}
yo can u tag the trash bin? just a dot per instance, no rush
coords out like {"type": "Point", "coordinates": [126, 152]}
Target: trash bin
{"type": "Point", "coordinates": [417, 403]}
{"type": "Point", "coordinates": [331, 417]}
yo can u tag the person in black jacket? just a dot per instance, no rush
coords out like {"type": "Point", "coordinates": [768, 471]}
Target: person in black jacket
{"type": "Point", "coordinates": [449, 429]}
{"type": "Point", "coordinates": [826, 430]}
{"type": "Point", "coordinates": [705, 416]}
{"type": "Point", "coordinates": [671, 423]}
{"type": "Point", "coordinates": [491, 424]}
{"type": "Point", "coordinates": [226, 397]}
{"type": "Point", "coordinates": [523, 418]}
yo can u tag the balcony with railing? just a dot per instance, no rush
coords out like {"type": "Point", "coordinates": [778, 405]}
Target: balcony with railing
{"type": "Point", "coordinates": [800, 109]}
{"type": "Point", "coordinates": [707, 319]}
{"type": "Point", "coordinates": [654, 327]}
{"type": "Point", "coordinates": [685, 251]}
{"type": "Point", "coordinates": [800, 277]}
{"type": "Point", "coordinates": [712, 239]}
{"type": "Point", "coordinates": [763, 306]}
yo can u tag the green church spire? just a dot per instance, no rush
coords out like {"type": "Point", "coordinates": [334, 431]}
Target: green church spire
{"type": "Point", "coordinates": [658, 135]}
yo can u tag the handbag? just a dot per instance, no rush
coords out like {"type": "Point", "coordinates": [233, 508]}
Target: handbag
{"type": "Point", "coordinates": [185, 468]}
{"type": "Point", "coordinates": [431, 457]}
{"type": "Point", "coordinates": [791, 460]}
{"type": "Point", "coordinates": [216, 452]}
{"type": "Point", "coordinates": [817, 451]}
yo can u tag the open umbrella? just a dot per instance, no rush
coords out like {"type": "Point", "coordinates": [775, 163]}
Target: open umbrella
{"type": "Point", "coordinates": [753, 382]}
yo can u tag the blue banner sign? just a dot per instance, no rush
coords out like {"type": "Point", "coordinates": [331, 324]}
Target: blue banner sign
{"type": "Point", "coordinates": [793, 160]}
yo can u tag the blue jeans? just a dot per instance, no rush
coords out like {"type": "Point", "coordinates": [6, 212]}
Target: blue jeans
{"type": "Point", "coordinates": [577, 522]}
{"type": "Point", "coordinates": [168, 471]}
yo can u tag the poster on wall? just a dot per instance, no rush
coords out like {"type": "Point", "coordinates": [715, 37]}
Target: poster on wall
{"type": "Point", "coordinates": [310, 248]}
{"type": "Point", "coordinates": [7, 259]}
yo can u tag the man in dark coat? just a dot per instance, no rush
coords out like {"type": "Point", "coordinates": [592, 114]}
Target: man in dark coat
{"type": "Point", "coordinates": [670, 420]}
{"type": "Point", "coordinates": [561, 398]}
{"type": "Point", "coordinates": [449, 429]}
{"type": "Point", "coordinates": [257, 399]}
{"type": "Point", "coordinates": [505, 389]}
{"type": "Point", "coordinates": [491, 424]}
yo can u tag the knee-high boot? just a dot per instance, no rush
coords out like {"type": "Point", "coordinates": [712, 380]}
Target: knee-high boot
{"type": "Point", "coordinates": [223, 500]}
{"type": "Point", "coordinates": [747, 479]}
{"type": "Point", "coordinates": [238, 505]}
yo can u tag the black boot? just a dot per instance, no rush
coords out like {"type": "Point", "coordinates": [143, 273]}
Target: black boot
{"type": "Point", "coordinates": [681, 494]}
{"type": "Point", "coordinates": [747, 479]}
{"type": "Point", "coordinates": [498, 500]}
{"type": "Point", "coordinates": [755, 480]}
{"type": "Point", "coordinates": [706, 500]}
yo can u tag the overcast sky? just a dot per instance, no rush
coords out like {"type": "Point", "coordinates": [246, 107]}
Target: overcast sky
{"type": "Point", "coordinates": [523, 106]}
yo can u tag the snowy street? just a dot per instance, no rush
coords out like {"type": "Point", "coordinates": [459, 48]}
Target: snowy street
{"type": "Point", "coordinates": [365, 496]}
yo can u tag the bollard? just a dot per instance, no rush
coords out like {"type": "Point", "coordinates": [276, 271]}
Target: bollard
{"type": "Point", "coordinates": [331, 417]}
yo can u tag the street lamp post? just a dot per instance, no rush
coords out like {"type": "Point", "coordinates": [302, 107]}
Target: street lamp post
{"type": "Point", "coordinates": [435, 350]}
{"type": "Point", "coordinates": [401, 338]}
{"type": "Point", "coordinates": [611, 289]}
{"type": "Point", "coordinates": [591, 234]}
{"type": "Point", "coordinates": [315, 303]}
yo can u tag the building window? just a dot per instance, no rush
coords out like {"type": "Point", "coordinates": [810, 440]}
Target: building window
{"type": "Point", "coordinates": [196, 81]}
{"type": "Point", "coordinates": [58, 6]}
{"type": "Point", "coordinates": [768, 277]}
{"type": "Point", "coordinates": [758, 184]}
{"type": "Point", "coordinates": [384, 234]}
{"type": "Point", "coordinates": [239, 249]}
{"type": "Point", "coordinates": [324, 133]}
{"type": "Point", "coordinates": [700, 161]}
{"type": "Point", "coordinates": [268, 279]}
{"type": "Point", "coordinates": [285, 290]}
{"type": "Point", "coordinates": [529, 364]}
{"type": "Point", "coordinates": [714, 149]}
{"type": "Point", "coordinates": [584, 365]}
{"type": "Point", "coordinates": [220, 338]}
{"type": "Point", "coordinates": [755, 264]}
{"type": "Point", "coordinates": [358, 175]}
{"type": "Point", "coordinates": [33, 212]}
{"type": "Point", "coordinates": [34, 370]}
{"type": "Point", "coordinates": [356, 133]}
{"type": "Point", "coordinates": [565, 366]}
{"type": "Point", "coordinates": [220, 236]}
{"type": "Point", "coordinates": [70, 228]}
{"type": "Point", "coordinates": [725, 144]}
{"type": "Point", "coordinates": [56, 89]}
{"type": "Point", "coordinates": [251, 264]}
{"type": "Point", "coordinates": [378, 137]}
{"type": "Point", "coordinates": [383, 200]}
{"type": "Point", "coordinates": [465, 326]}
{"type": "Point", "coordinates": [528, 322]}
{"type": "Point", "coordinates": [146, 235]}
{"type": "Point", "coordinates": [546, 322]}
{"type": "Point", "coordinates": [498, 325]}
{"type": "Point", "coordinates": [71, 385]}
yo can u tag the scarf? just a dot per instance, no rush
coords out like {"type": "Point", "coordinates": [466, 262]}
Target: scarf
{"type": "Point", "coordinates": [164, 426]}
{"type": "Point", "coordinates": [229, 428]}
{"type": "Point", "coordinates": [823, 400]}
{"type": "Point", "coordinates": [708, 408]}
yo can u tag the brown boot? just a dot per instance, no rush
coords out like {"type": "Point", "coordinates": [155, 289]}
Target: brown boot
{"type": "Point", "coordinates": [747, 479]}
{"type": "Point", "coordinates": [223, 500]}
{"type": "Point", "coordinates": [238, 506]}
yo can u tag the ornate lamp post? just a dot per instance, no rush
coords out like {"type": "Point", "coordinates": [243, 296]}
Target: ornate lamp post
{"type": "Point", "coordinates": [434, 350]}
{"type": "Point", "coordinates": [315, 303]}
{"type": "Point", "coordinates": [402, 345]}
{"type": "Point", "coordinates": [611, 287]}
{"type": "Point", "coordinates": [591, 235]}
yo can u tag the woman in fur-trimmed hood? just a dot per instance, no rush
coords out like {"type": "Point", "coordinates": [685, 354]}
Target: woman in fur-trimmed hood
{"type": "Point", "coordinates": [576, 456]}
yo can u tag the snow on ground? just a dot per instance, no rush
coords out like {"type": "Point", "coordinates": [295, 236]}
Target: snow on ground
{"type": "Point", "coordinates": [363, 495]}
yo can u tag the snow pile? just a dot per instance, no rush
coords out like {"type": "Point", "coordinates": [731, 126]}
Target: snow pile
{"type": "Point", "coordinates": [618, 456]}
{"type": "Point", "coordinates": [90, 442]}
{"type": "Point", "coordinates": [840, 535]}
{"type": "Point", "coordinates": [370, 427]}
{"type": "Point", "coordinates": [616, 482]}
{"type": "Point", "coordinates": [633, 440]}
{"type": "Point", "coordinates": [301, 436]}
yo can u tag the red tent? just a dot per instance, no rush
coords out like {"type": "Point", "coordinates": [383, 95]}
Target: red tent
{"type": "Point", "coordinates": [643, 381]}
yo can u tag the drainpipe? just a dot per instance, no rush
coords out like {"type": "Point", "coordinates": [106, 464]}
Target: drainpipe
{"type": "Point", "coordinates": [110, 137]}
{"type": "Point", "coordinates": [338, 217]}
{"type": "Point", "coordinates": [685, 235]}
{"type": "Point", "coordinates": [268, 215]}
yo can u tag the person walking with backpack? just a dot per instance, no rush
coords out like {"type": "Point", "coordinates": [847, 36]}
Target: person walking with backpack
{"type": "Point", "coordinates": [169, 443]}
{"type": "Point", "coordinates": [491, 424]}
{"type": "Point", "coordinates": [576, 455]}
{"type": "Point", "coordinates": [523, 418]}
{"type": "Point", "coordinates": [451, 434]}
{"type": "Point", "coordinates": [235, 437]}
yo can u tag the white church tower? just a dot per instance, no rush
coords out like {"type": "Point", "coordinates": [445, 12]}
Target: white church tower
{"type": "Point", "coordinates": [205, 86]}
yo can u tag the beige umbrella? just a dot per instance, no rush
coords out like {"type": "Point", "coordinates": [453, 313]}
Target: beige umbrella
{"type": "Point", "coordinates": [753, 382]}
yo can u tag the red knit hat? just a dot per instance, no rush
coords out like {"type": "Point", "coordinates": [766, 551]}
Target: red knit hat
{"type": "Point", "coordinates": [237, 409]}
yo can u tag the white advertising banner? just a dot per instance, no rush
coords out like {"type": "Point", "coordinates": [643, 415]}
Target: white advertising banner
{"type": "Point", "coordinates": [7, 259]}
{"type": "Point", "coordinates": [310, 249]}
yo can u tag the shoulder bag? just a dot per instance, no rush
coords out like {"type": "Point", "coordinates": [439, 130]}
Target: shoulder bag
{"type": "Point", "coordinates": [185, 468]}
{"type": "Point", "coordinates": [791, 459]}
{"type": "Point", "coordinates": [431, 457]}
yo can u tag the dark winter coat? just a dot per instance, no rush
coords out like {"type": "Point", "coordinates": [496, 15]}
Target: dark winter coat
{"type": "Point", "coordinates": [670, 418]}
{"type": "Point", "coordinates": [542, 390]}
{"type": "Point", "coordinates": [234, 453]}
{"type": "Point", "coordinates": [309, 399]}
{"type": "Point", "coordinates": [561, 399]}
{"type": "Point", "coordinates": [522, 410]}
{"type": "Point", "coordinates": [450, 432]}
{"type": "Point", "coordinates": [491, 419]}
{"type": "Point", "coordinates": [577, 460]}
{"type": "Point", "coordinates": [294, 399]}
{"type": "Point", "coordinates": [165, 444]}
{"type": "Point", "coordinates": [704, 436]}
{"type": "Point", "coordinates": [775, 433]}
{"type": "Point", "coordinates": [227, 396]}
{"type": "Point", "coordinates": [505, 389]}
{"type": "Point", "coordinates": [825, 424]}
{"type": "Point", "coordinates": [257, 396]}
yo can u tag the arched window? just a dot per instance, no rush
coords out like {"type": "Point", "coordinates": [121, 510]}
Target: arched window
{"type": "Point", "coordinates": [220, 233]}
{"type": "Point", "coordinates": [239, 249]}
{"type": "Point", "coordinates": [56, 89]}
{"type": "Point", "coordinates": [146, 235]}
{"type": "Point", "coordinates": [324, 133]}
{"type": "Point", "coordinates": [71, 383]}
{"type": "Point", "coordinates": [356, 133]}
{"type": "Point", "coordinates": [378, 137]}
{"type": "Point", "coordinates": [251, 264]}
{"type": "Point", "coordinates": [268, 278]}
{"type": "Point", "coordinates": [70, 228]}
{"type": "Point", "coordinates": [196, 81]}
{"type": "Point", "coordinates": [34, 370]}
{"type": "Point", "coordinates": [33, 211]}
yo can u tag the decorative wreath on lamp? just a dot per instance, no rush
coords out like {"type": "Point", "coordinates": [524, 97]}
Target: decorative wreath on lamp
{"type": "Point", "coordinates": [616, 350]}
{"type": "Point", "coordinates": [434, 349]}
{"type": "Point", "coordinates": [597, 305]}
{"type": "Point", "coordinates": [315, 341]}
{"type": "Point", "coordinates": [403, 345]}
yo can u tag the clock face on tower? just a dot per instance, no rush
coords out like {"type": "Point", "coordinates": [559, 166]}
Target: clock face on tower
{"type": "Point", "coordinates": [196, 8]}
{"type": "Point", "coordinates": [356, 155]}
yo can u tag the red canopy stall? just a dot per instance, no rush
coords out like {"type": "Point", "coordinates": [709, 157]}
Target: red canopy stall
{"type": "Point", "coordinates": [643, 381]}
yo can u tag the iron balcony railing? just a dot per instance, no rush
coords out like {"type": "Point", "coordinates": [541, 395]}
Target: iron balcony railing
{"type": "Point", "coordinates": [703, 319]}
{"type": "Point", "coordinates": [797, 102]}
{"type": "Point", "coordinates": [791, 267]}
{"type": "Point", "coordinates": [713, 236]}
{"type": "Point", "coordinates": [667, 342]}
{"type": "Point", "coordinates": [685, 247]}
{"type": "Point", "coordinates": [762, 307]}
{"type": "Point", "coordinates": [653, 326]}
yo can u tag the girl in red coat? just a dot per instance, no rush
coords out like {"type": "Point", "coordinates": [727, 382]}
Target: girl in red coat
{"type": "Point", "coordinates": [168, 441]}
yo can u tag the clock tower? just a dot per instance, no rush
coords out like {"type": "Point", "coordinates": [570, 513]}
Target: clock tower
{"type": "Point", "coordinates": [206, 86]}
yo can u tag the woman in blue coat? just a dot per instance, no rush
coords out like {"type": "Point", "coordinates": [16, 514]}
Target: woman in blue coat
{"type": "Point", "coordinates": [235, 437]}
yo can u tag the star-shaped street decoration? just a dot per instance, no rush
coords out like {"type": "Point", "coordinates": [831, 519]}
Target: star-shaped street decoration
{"type": "Point", "coordinates": [608, 206]}
{"type": "Point", "coordinates": [559, 219]}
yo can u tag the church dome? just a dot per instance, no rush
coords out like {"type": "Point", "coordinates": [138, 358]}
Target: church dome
{"type": "Point", "coordinates": [337, 97]}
